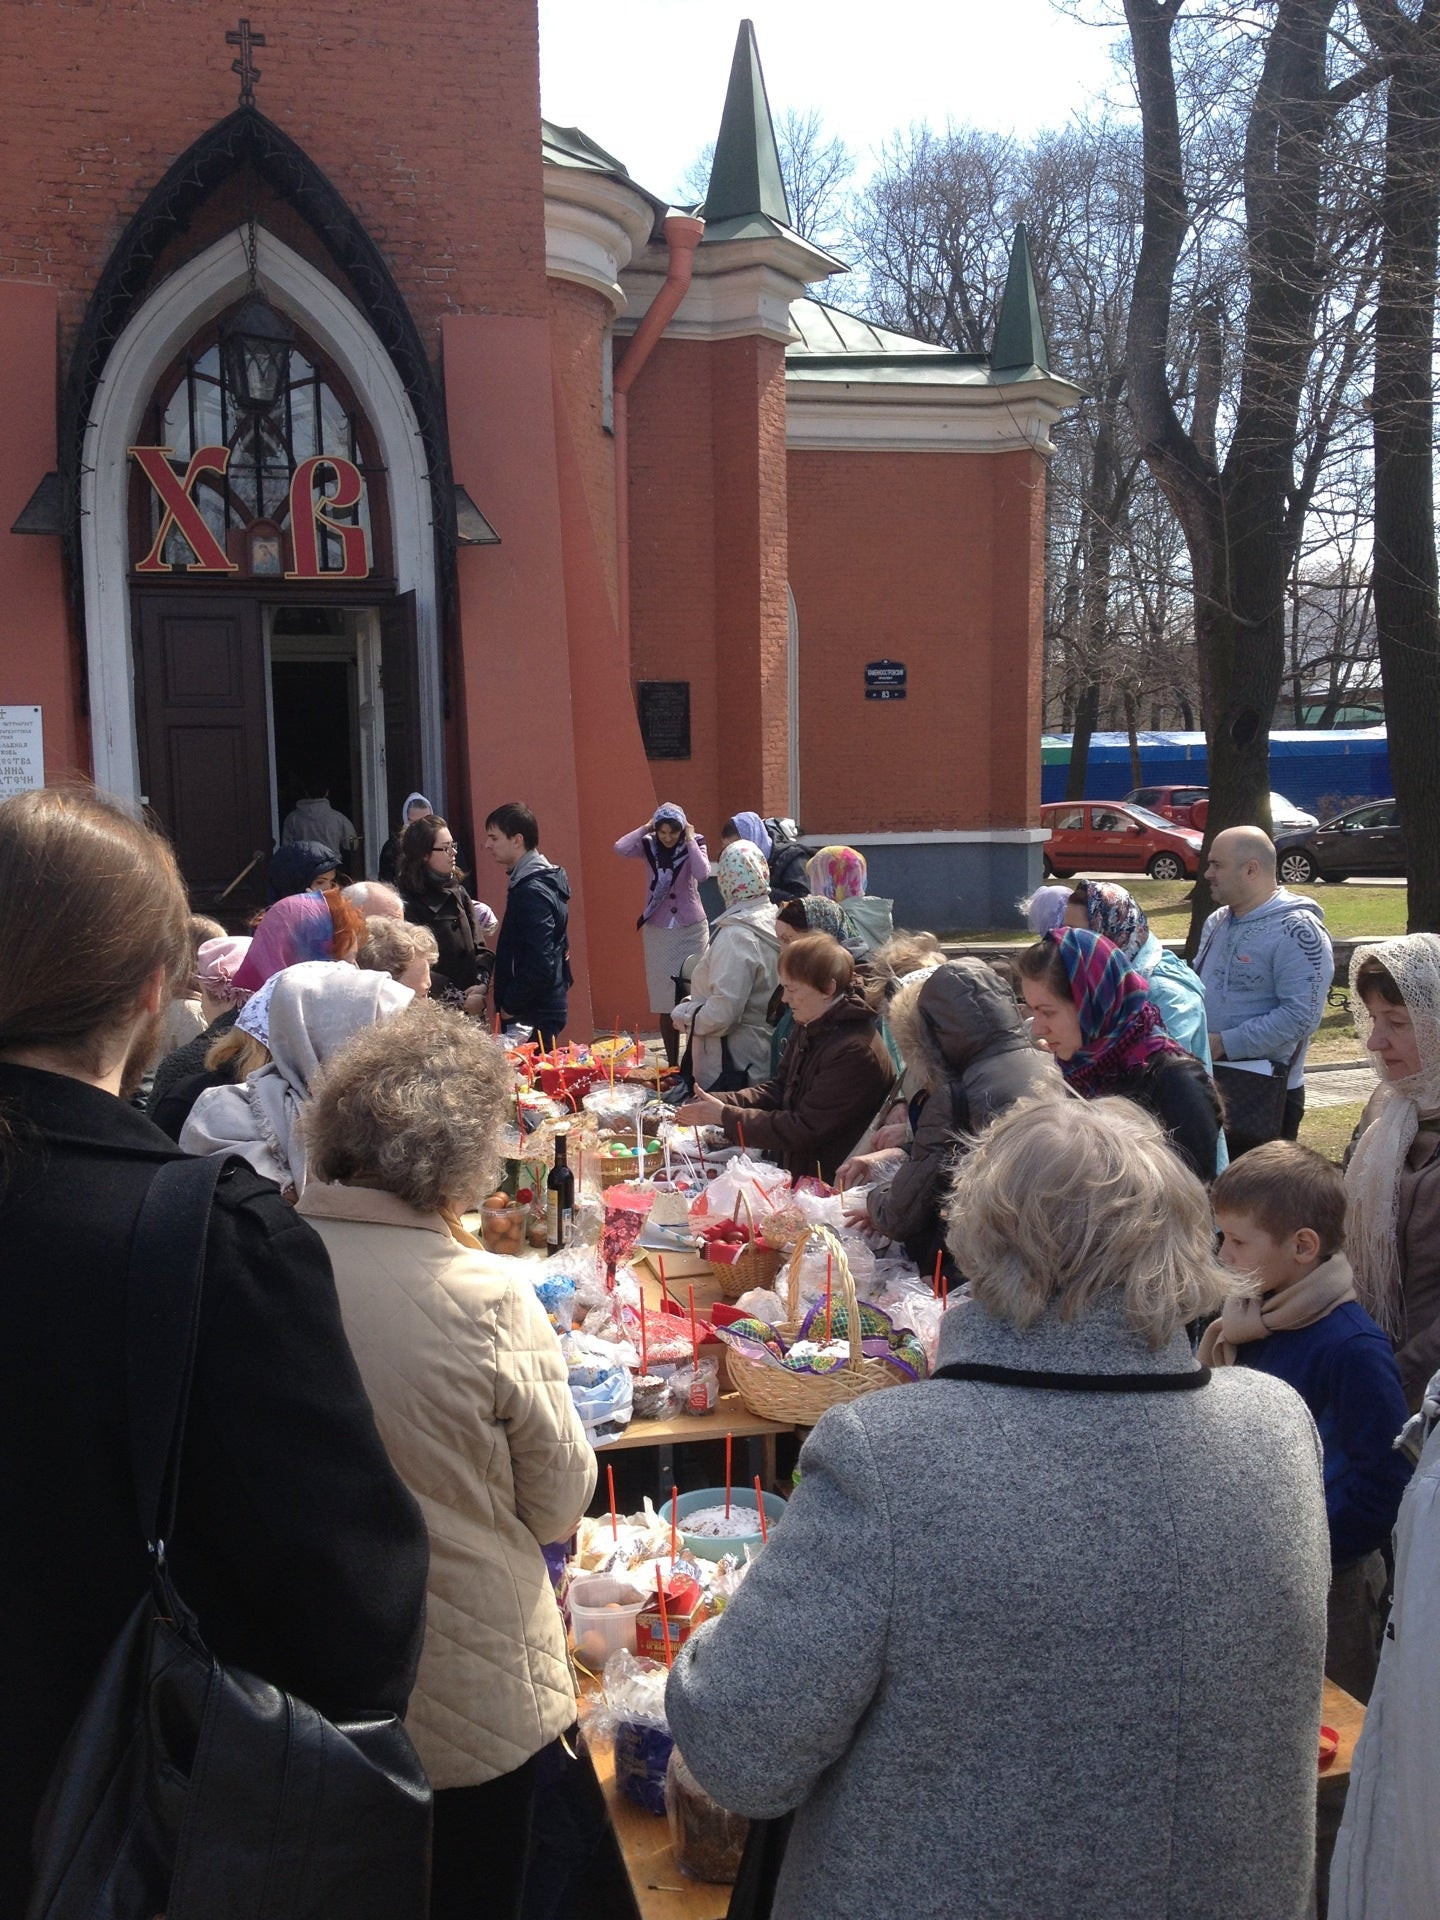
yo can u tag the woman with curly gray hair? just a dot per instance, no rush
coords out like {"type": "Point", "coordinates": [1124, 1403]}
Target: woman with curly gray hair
{"type": "Point", "coordinates": [1071, 1592]}
{"type": "Point", "coordinates": [471, 1395]}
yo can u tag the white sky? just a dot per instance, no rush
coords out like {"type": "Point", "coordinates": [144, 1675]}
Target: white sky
{"type": "Point", "coordinates": [647, 78]}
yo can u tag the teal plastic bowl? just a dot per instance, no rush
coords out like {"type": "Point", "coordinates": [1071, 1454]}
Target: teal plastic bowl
{"type": "Point", "coordinates": [717, 1549]}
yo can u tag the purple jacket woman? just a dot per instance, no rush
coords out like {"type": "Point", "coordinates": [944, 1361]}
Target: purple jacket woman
{"type": "Point", "coordinates": [673, 922]}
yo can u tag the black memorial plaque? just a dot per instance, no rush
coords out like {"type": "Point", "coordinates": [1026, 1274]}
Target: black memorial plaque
{"type": "Point", "coordinates": [884, 680]}
{"type": "Point", "coordinates": [664, 707]}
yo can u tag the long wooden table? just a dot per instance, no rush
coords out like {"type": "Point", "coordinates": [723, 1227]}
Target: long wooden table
{"type": "Point", "coordinates": [685, 1429]}
{"type": "Point", "coordinates": [1343, 1713]}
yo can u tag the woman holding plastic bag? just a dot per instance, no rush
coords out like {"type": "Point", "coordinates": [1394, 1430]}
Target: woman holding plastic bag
{"type": "Point", "coordinates": [724, 1012]}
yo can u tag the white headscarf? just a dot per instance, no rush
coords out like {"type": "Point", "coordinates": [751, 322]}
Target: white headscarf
{"type": "Point", "coordinates": [314, 1008]}
{"type": "Point", "coordinates": [1372, 1179]}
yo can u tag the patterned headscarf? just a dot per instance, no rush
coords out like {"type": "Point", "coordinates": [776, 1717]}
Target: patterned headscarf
{"type": "Point", "coordinates": [1119, 1024]}
{"type": "Point", "coordinates": [295, 929]}
{"type": "Point", "coordinates": [823, 916]}
{"type": "Point", "coordinates": [1117, 914]}
{"type": "Point", "coordinates": [742, 873]}
{"type": "Point", "coordinates": [839, 873]}
{"type": "Point", "coordinates": [1372, 1179]}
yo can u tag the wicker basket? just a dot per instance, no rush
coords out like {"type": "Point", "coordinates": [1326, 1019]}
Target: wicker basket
{"type": "Point", "coordinates": [756, 1267]}
{"type": "Point", "coordinates": [774, 1393]}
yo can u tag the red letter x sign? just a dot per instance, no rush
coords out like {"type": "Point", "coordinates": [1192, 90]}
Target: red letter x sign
{"type": "Point", "coordinates": [181, 511]}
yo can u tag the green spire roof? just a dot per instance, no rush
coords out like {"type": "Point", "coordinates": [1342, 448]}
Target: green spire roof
{"type": "Point", "coordinates": [745, 176]}
{"type": "Point", "coordinates": [1019, 343]}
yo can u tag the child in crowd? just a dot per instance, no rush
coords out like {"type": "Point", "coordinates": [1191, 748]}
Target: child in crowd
{"type": "Point", "coordinates": [1281, 1211]}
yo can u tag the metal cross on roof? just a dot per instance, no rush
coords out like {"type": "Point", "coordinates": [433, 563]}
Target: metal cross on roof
{"type": "Point", "coordinates": [249, 73]}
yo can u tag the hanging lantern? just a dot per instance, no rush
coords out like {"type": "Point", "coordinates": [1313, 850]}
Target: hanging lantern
{"type": "Point", "coordinates": [255, 345]}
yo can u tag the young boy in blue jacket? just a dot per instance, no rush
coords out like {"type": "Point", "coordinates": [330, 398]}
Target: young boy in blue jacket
{"type": "Point", "coordinates": [1281, 1211]}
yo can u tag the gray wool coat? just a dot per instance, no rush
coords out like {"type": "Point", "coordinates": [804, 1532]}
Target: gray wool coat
{"type": "Point", "coordinates": [1022, 1654]}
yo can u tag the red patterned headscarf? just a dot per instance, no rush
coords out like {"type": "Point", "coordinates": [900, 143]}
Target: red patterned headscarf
{"type": "Point", "coordinates": [1120, 1027]}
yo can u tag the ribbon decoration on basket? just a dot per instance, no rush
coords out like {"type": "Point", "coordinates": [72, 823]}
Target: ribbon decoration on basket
{"type": "Point", "coordinates": [775, 1386]}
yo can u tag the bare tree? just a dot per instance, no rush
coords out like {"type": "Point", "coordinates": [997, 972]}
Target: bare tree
{"type": "Point", "coordinates": [1236, 509]}
{"type": "Point", "coordinates": [1406, 604]}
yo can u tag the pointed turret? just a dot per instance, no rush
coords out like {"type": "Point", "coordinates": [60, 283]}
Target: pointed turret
{"type": "Point", "coordinates": [745, 177]}
{"type": "Point", "coordinates": [1019, 346]}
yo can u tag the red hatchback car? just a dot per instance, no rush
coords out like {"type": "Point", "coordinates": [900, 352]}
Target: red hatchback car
{"type": "Point", "coordinates": [1115, 836]}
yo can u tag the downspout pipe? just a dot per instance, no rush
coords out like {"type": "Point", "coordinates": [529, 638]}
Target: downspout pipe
{"type": "Point", "coordinates": [682, 235]}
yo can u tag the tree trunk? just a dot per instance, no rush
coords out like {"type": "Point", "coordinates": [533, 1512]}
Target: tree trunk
{"type": "Point", "coordinates": [1407, 603]}
{"type": "Point", "coordinates": [1131, 722]}
{"type": "Point", "coordinates": [1087, 712]}
{"type": "Point", "coordinates": [1235, 519]}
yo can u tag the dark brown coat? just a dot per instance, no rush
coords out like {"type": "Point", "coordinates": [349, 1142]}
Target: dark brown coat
{"type": "Point", "coordinates": [830, 1086]}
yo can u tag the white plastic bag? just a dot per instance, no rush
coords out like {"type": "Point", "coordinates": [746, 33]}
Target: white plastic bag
{"type": "Point", "coordinates": [760, 1184]}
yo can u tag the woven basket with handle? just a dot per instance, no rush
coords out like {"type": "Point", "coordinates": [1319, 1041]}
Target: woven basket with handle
{"type": "Point", "coordinates": [756, 1267]}
{"type": "Point", "coordinates": [774, 1393]}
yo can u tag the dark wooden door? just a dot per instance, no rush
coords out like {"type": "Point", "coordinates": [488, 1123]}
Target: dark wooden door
{"type": "Point", "coordinates": [204, 745]}
{"type": "Point", "coordinates": [400, 690]}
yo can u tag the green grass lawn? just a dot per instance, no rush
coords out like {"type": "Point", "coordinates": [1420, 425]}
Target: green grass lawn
{"type": "Point", "coordinates": [1353, 911]}
{"type": "Point", "coordinates": [1328, 1129]}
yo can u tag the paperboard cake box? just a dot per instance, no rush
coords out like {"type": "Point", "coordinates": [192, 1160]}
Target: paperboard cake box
{"type": "Point", "coordinates": [684, 1607]}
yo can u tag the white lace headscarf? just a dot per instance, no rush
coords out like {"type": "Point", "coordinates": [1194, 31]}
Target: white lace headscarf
{"type": "Point", "coordinates": [1372, 1179]}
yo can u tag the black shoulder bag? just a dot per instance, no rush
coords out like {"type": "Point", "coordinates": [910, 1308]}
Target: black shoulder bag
{"type": "Point", "coordinates": [188, 1789]}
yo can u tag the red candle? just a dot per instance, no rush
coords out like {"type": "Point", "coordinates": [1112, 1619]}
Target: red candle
{"type": "Point", "coordinates": [740, 1129]}
{"type": "Point", "coordinates": [694, 1329]}
{"type": "Point", "coordinates": [944, 1296]}
{"type": "Point", "coordinates": [674, 1524]}
{"type": "Point", "coordinates": [827, 1295]}
{"type": "Point", "coordinates": [935, 1283]}
{"type": "Point", "coordinates": [644, 1343]}
{"type": "Point", "coordinates": [614, 1518]}
{"type": "Point", "coordinates": [760, 1508]}
{"type": "Point", "coordinates": [664, 1614]}
{"type": "Point", "coordinates": [729, 1442]}
{"type": "Point", "coordinates": [664, 1290]}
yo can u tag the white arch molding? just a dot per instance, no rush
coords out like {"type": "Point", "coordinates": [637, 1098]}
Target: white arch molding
{"type": "Point", "coordinates": [178, 308]}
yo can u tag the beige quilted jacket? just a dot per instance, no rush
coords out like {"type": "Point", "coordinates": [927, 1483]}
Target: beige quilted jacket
{"type": "Point", "coordinates": [469, 1390]}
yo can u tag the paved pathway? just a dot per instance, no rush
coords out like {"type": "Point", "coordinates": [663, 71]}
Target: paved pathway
{"type": "Point", "coordinates": [1338, 1087]}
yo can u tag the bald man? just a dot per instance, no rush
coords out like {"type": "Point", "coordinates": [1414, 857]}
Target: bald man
{"type": "Point", "coordinates": [1266, 964]}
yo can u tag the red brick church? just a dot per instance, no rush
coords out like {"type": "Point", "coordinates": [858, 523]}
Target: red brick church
{"type": "Point", "coordinates": [372, 426]}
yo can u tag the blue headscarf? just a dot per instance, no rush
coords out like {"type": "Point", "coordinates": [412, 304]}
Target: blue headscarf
{"type": "Point", "coordinates": [751, 827]}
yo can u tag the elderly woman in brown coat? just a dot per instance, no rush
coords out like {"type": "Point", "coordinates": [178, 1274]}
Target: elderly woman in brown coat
{"type": "Point", "coordinates": [833, 1080]}
{"type": "Point", "coordinates": [471, 1395]}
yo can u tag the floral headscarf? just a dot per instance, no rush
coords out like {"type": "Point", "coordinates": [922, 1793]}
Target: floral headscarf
{"type": "Point", "coordinates": [1117, 914]}
{"type": "Point", "coordinates": [1372, 1179]}
{"type": "Point", "coordinates": [296, 928]}
{"type": "Point", "coordinates": [1119, 1024]}
{"type": "Point", "coordinates": [838, 873]}
{"type": "Point", "coordinates": [823, 916]}
{"type": "Point", "coordinates": [742, 873]}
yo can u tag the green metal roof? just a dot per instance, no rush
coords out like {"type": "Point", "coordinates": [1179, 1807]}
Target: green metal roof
{"type": "Point", "coordinates": [1018, 349]}
{"type": "Point", "coordinates": [745, 176]}
{"type": "Point", "coordinates": [569, 147]}
{"type": "Point", "coordinates": [842, 347]}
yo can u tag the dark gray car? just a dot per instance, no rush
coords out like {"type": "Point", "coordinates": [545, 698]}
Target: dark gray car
{"type": "Point", "coordinates": [1364, 841]}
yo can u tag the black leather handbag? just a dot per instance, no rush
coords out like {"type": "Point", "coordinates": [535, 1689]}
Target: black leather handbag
{"type": "Point", "coordinates": [192, 1790]}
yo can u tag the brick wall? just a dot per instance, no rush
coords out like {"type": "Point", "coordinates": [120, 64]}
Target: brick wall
{"type": "Point", "coordinates": [930, 559]}
{"type": "Point", "coordinates": [424, 117]}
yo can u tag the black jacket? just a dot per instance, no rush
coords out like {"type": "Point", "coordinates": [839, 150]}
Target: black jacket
{"type": "Point", "coordinates": [961, 1030]}
{"type": "Point", "coordinates": [450, 915]}
{"type": "Point", "coordinates": [788, 878]}
{"type": "Point", "coordinates": [532, 954]}
{"type": "Point", "coordinates": [296, 1543]}
{"type": "Point", "coordinates": [182, 1076]}
{"type": "Point", "coordinates": [1182, 1097]}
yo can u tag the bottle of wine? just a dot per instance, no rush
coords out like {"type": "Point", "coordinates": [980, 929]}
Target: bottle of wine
{"type": "Point", "coordinates": [559, 1199]}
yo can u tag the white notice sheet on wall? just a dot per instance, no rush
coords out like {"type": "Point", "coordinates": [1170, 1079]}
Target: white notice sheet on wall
{"type": "Point", "coordinates": [22, 750]}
